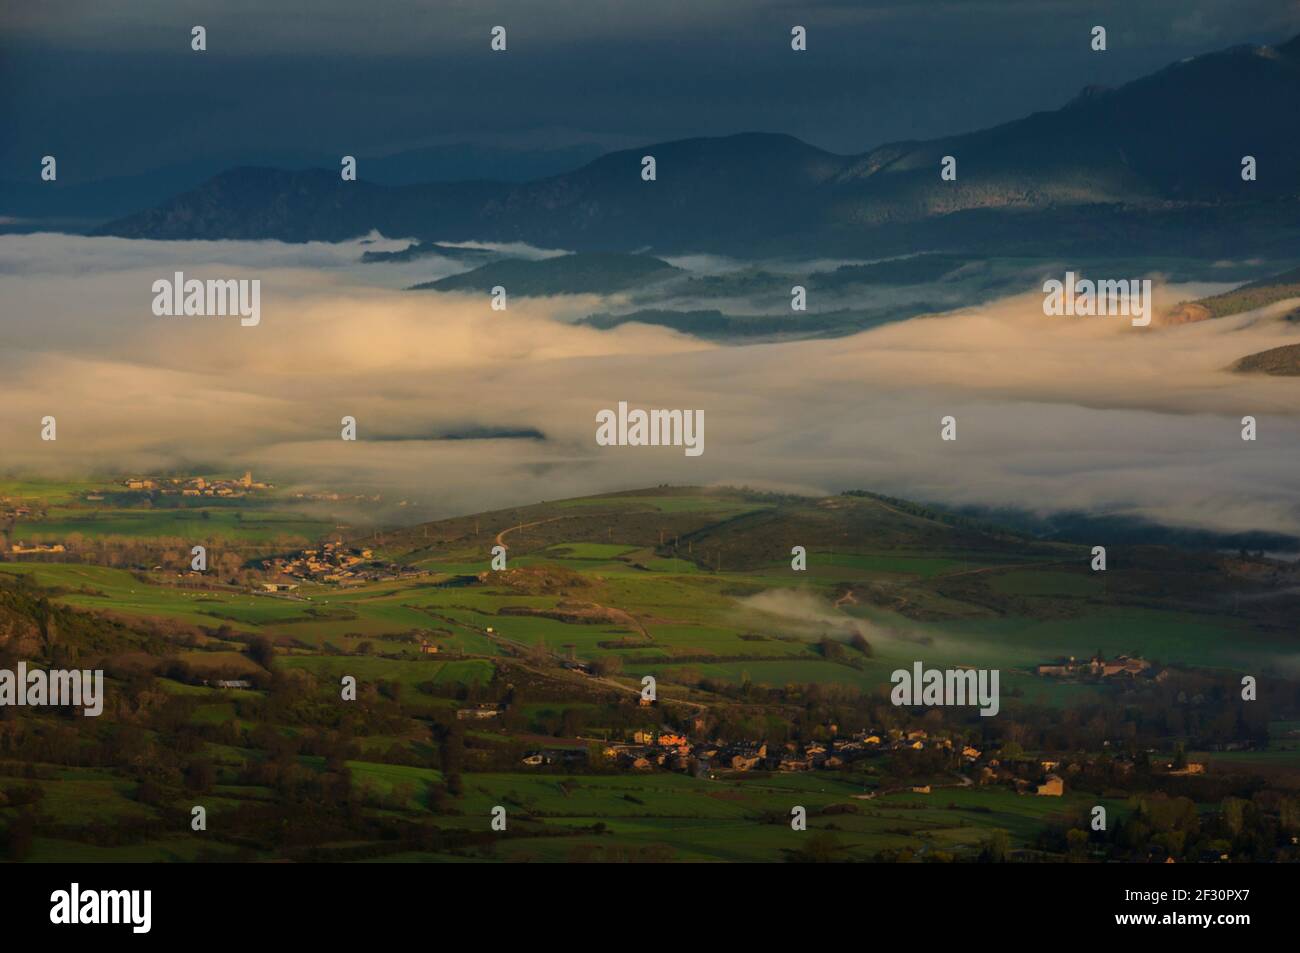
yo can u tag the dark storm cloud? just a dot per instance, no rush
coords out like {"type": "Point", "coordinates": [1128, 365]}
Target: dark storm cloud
{"type": "Point", "coordinates": [113, 89]}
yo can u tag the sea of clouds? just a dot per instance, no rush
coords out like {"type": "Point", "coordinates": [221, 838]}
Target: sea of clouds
{"type": "Point", "coordinates": [1053, 413]}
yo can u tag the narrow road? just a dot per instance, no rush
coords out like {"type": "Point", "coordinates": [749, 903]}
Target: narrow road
{"type": "Point", "coordinates": [501, 536]}
{"type": "Point", "coordinates": [1001, 567]}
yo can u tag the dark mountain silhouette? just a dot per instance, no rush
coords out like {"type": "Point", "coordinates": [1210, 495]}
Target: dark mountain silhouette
{"type": "Point", "coordinates": [582, 273]}
{"type": "Point", "coordinates": [1152, 165]}
{"type": "Point", "coordinates": [87, 204]}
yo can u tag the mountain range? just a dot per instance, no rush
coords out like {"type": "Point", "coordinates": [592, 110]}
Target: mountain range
{"type": "Point", "coordinates": [1154, 165]}
{"type": "Point", "coordinates": [77, 203]}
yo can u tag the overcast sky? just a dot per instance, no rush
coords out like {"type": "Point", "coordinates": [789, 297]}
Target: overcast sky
{"type": "Point", "coordinates": [113, 88]}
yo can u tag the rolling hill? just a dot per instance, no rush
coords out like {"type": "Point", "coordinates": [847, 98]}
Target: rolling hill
{"type": "Point", "coordinates": [1247, 297]}
{"type": "Point", "coordinates": [584, 273]}
{"type": "Point", "coordinates": [1281, 361]}
{"type": "Point", "coordinates": [742, 529]}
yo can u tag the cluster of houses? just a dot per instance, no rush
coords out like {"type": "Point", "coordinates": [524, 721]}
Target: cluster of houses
{"type": "Point", "coordinates": [670, 749]}
{"type": "Point", "coordinates": [12, 510]}
{"type": "Point", "coordinates": [565, 756]}
{"type": "Point", "coordinates": [229, 683]}
{"type": "Point", "coordinates": [480, 712]}
{"type": "Point", "coordinates": [1055, 773]}
{"type": "Point", "coordinates": [196, 486]}
{"type": "Point", "coordinates": [1096, 667]}
{"type": "Point", "coordinates": [334, 562]}
{"type": "Point", "coordinates": [20, 548]}
{"type": "Point", "coordinates": [329, 497]}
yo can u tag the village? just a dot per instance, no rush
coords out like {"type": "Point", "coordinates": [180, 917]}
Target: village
{"type": "Point", "coordinates": [192, 486]}
{"type": "Point", "coordinates": [11, 509]}
{"type": "Point", "coordinates": [21, 548]}
{"type": "Point", "coordinates": [1099, 667]}
{"type": "Point", "coordinates": [334, 562]}
{"type": "Point", "coordinates": [965, 764]}
{"type": "Point", "coordinates": [668, 749]}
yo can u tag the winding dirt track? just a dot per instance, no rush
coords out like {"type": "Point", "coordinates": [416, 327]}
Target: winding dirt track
{"type": "Point", "coordinates": [501, 536]}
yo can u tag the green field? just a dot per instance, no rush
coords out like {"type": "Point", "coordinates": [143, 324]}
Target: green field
{"type": "Point", "coordinates": [630, 586]}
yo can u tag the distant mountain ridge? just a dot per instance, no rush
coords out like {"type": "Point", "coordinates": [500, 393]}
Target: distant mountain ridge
{"type": "Point", "coordinates": [1153, 164]}
{"type": "Point", "coordinates": [91, 202]}
{"type": "Point", "coordinates": [581, 273]}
